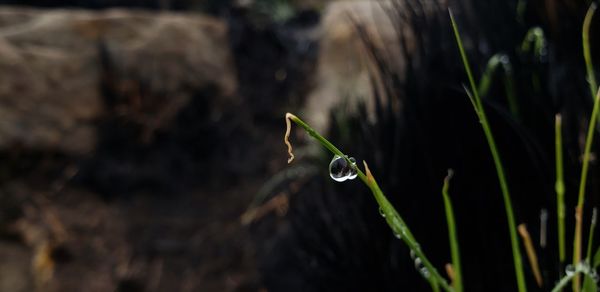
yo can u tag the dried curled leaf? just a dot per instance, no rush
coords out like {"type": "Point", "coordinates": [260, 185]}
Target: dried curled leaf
{"type": "Point", "coordinates": [531, 255]}
{"type": "Point", "coordinates": [450, 271]}
{"type": "Point", "coordinates": [286, 139]}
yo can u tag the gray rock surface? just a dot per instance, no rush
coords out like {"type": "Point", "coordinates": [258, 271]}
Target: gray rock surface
{"type": "Point", "coordinates": [53, 64]}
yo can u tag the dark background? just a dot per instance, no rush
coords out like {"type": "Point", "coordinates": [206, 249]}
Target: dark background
{"type": "Point", "coordinates": [200, 198]}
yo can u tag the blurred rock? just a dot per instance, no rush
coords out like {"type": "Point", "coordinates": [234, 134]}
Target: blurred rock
{"type": "Point", "coordinates": [346, 72]}
{"type": "Point", "coordinates": [15, 271]}
{"type": "Point", "coordinates": [55, 64]}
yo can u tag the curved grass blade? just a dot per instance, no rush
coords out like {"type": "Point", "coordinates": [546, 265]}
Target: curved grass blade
{"type": "Point", "coordinates": [582, 186]}
{"type": "Point", "coordinates": [502, 61]}
{"type": "Point", "coordinates": [497, 162]}
{"type": "Point", "coordinates": [587, 55]}
{"type": "Point", "coordinates": [392, 217]}
{"type": "Point", "coordinates": [454, 248]}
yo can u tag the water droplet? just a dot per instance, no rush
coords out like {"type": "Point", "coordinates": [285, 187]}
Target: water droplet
{"type": "Point", "coordinates": [570, 270]}
{"type": "Point", "coordinates": [413, 255]}
{"type": "Point", "coordinates": [352, 173]}
{"type": "Point", "coordinates": [337, 168]}
{"type": "Point", "coordinates": [398, 235]}
{"type": "Point", "coordinates": [381, 212]}
{"type": "Point", "coordinates": [340, 170]}
{"type": "Point", "coordinates": [418, 263]}
{"type": "Point", "coordinates": [421, 268]}
{"type": "Point", "coordinates": [424, 272]}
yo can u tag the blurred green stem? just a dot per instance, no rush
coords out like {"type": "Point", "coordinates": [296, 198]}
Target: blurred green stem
{"type": "Point", "coordinates": [560, 187]}
{"type": "Point", "coordinates": [582, 185]}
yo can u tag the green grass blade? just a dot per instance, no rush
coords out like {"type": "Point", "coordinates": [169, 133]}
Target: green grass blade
{"type": "Point", "coordinates": [579, 269]}
{"type": "Point", "coordinates": [393, 219]}
{"type": "Point", "coordinates": [435, 287]}
{"type": "Point", "coordinates": [402, 231]}
{"type": "Point", "coordinates": [596, 260]}
{"type": "Point", "coordinates": [591, 236]}
{"type": "Point", "coordinates": [560, 187]}
{"type": "Point", "coordinates": [454, 248]}
{"type": "Point", "coordinates": [486, 77]}
{"type": "Point", "coordinates": [535, 42]}
{"type": "Point", "coordinates": [465, 61]}
{"type": "Point", "coordinates": [589, 138]}
{"type": "Point", "coordinates": [498, 163]}
{"type": "Point", "coordinates": [587, 55]}
{"type": "Point", "coordinates": [589, 285]}
{"type": "Point", "coordinates": [500, 60]}
{"type": "Point", "coordinates": [582, 185]}
{"type": "Point", "coordinates": [536, 37]}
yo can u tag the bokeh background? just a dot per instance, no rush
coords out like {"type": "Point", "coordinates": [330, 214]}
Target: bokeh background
{"type": "Point", "coordinates": [141, 141]}
{"type": "Point", "coordinates": [135, 134]}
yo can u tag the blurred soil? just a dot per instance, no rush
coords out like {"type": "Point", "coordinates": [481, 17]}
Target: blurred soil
{"type": "Point", "coordinates": [71, 239]}
{"type": "Point", "coordinates": [151, 206]}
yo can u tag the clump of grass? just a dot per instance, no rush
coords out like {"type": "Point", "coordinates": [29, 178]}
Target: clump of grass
{"type": "Point", "coordinates": [402, 231]}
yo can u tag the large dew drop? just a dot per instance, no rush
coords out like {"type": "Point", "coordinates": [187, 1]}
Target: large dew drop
{"type": "Point", "coordinates": [570, 270]}
{"type": "Point", "coordinates": [381, 212]}
{"type": "Point", "coordinates": [340, 170]}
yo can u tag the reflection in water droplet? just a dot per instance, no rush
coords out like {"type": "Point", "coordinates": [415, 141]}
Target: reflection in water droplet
{"type": "Point", "coordinates": [337, 168]}
{"type": "Point", "coordinates": [340, 170]}
{"type": "Point", "coordinates": [570, 270]}
{"type": "Point", "coordinates": [351, 173]}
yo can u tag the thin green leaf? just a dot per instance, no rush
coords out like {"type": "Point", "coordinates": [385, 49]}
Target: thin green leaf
{"type": "Point", "coordinates": [582, 186]}
{"type": "Point", "coordinates": [587, 55]}
{"type": "Point", "coordinates": [454, 247]}
{"type": "Point", "coordinates": [497, 162]}
{"type": "Point", "coordinates": [560, 187]}
{"type": "Point", "coordinates": [395, 222]}
{"type": "Point", "coordinates": [495, 62]}
{"type": "Point", "coordinates": [596, 260]}
{"type": "Point", "coordinates": [591, 235]}
{"type": "Point", "coordinates": [589, 285]}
